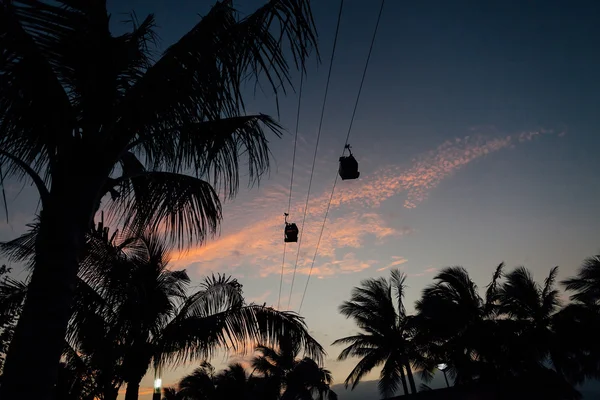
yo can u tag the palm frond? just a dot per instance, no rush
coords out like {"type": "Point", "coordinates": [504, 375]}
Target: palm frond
{"type": "Point", "coordinates": [217, 294]}
{"type": "Point", "coordinates": [198, 384]}
{"type": "Point", "coordinates": [519, 294]}
{"type": "Point", "coordinates": [389, 378]}
{"type": "Point", "coordinates": [363, 367]}
{"type": "Point", "coordinates": [491, 293]}
{"type": "Point", "coordinates": [33, 99]}
{"type": "Point", "coordinates": [213, 149]}
{"type": "Point", "coordinates": [186, 339]}
{"type": "Point", "coordinates": [586, 284]}
{"type": "Point", "coordinates": [21, 249]}
{"type": "Point", "coordinates": [397, 281]}
{"type": "Point", "coordinates": [170, 393]}
{"type": "Point", "coordinates": [12, 296]}
{"type": "Point", "coordinates": [199, 78]}
{"type": "Point", "coordinates": [187, 207]}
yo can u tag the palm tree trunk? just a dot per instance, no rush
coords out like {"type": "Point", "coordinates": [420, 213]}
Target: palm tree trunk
{"type": "Point", "coordinates": [403, 377]}
{"type": "Point", "coordinates": [411, 379]}
{"type": "Point", "coordinates": [38, 341]}
{"type": "Point", "coordinates": [133, 389]}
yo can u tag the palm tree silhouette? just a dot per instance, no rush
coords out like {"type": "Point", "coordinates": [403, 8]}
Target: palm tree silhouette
{"type": "Point", "coordinates": [456, 325]}
{"type": "Point", "coordinates": [387, 334]}
{"type": "Point", "coordinates": [289, 378]}
{"type": "Point", "coordinates": [90, 117]}
{"type": "Point", "coordinates": [586, 285]}
{"type": "Point", "coordinates": [131, 312]}
{"type": "Point", "coordinates": [577, 325]}
{"type": "Point", "coordinates": [162, 324]}
{"type": "Point", "coordinates": [199, 384]}
{"type": "Point", "coordinates": [530, 308]}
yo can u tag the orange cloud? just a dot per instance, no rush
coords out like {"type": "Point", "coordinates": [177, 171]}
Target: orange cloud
{"type": "Point", "coordinates": [258, 243]}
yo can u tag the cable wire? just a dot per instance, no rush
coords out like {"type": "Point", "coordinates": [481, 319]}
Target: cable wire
{"type": "Point", "coordinates": [337, 29]}
{"type": "Point", "coordinates": [345, 143]}
{"type": "Point", "coordinates": [292, 177]}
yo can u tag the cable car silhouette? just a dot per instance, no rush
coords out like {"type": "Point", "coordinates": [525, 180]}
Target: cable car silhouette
{"type": "Point", "coordinates": [348, 166]}
{"type": "Point", "coordinates": [290, 233]}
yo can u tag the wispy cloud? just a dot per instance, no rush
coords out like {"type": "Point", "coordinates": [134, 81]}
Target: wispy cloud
{"type": "Point", "coordinates": [258, 244]}
{"type": "Point", "coordinates": [397, 261]}
{"type": "Point", "coordinates": [426, 271]}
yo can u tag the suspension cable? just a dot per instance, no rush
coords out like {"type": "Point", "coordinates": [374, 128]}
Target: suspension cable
{"type": "Point", "coordinates": [337, 29]}
{"type": "Point", "coordinates": [362, 81]}
{"type": "Point", "coordinates": [292, 177]}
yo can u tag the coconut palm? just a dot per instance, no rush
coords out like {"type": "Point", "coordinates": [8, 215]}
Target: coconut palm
{"type": "Point", "coordinates": [160, 323]}
{"type": "Point", "coordinates": [386, 335]}
{"type": "Point", "coordinates": [585, 286]}
{"type": "Point", "coordinates": [199, 385]}
{"type": "Point", "coordinates": [90, 117]}
{"type": "Point", "coordinates": [232, 383]}
{"type": "Point", "coordinates": [577, 325]}
{"type": "Point", "coordinates": [530, 307]}
{"type": "Point", "coordinates": [131, 312]}
{"type": "Point", "coordinates": [456, 325]}
{"type": "Point", "coordinates": [288, 377]}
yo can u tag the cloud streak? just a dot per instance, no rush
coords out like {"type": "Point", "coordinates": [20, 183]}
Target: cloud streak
{"type": "Point", "coordinates": [256, 248]}
{"type": "Point", "coordinates": [398, 261]}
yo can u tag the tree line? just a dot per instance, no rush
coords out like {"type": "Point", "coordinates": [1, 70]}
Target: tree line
{"type": "Point", "coordinates": [515, 329]}
{"type": "Point", "coordinates": [133, 315]}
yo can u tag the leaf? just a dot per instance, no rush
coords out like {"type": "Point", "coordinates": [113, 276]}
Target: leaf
{"type": "Point", "coordinates": [181, 206]}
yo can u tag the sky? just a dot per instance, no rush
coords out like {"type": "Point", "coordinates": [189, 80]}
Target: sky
{"type": "Point", "coordinates": [476, 134]}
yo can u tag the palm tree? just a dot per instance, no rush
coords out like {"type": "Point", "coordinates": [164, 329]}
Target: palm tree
{"type": "Point", "coordinates": [577, 325]}
{"type": "Point", "coordinates": [232, 383]}
{"type": "Point", "coordinates": [387, 334]}
{"type": "Point", "coordinates": [131, 312]}
{"type": "Point", "coordinates": [289, 378]}
{"type": "Point", "coordinates": [456, 326]}
{"type": "Point", "coordinates": [90, 117]}
{"type": "Point", "coordinates": [531, 307]}
{"type": "Point", "coordinates": [199, 385]}
{"type": "Point", "coordinates": [586, 285]}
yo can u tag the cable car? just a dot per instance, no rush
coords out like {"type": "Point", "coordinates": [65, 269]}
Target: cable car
{"type": "Point", "coordinates": [290, 233]}
{"type": "Point", "coordinates": [348, 166]}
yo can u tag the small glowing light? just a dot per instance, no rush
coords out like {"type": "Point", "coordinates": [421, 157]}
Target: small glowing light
{"type": "Point", "coordinates": [442, 366]}
{"type": "Point", "coordinates": [157, 383]}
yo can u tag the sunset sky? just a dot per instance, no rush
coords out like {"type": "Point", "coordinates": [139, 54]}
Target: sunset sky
{"type": "Point", "coordinates": [477, 138]}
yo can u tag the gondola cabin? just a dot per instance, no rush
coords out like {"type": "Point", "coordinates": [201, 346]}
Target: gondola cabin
{"type": "Point", "coordinates": [290, 233]}
{"type": "Point", "coordinates": [348, 167]}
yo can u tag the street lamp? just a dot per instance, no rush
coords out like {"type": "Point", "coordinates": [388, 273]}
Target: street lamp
{"type": "Point", "coordinates": [443, 367]}
{"type": "Point", "coordinates": [157, 385]}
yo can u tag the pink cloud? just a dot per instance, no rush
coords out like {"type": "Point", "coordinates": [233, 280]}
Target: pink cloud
{"type": "Point", "coordinates": [259, 244]}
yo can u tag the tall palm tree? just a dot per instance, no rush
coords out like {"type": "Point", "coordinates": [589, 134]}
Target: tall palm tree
{"type": "Point", "coordinates": [90, 117]}
{"type": "Point", "coordinates": [131, 312]}
{"type": "Point", "coordinates": [531, 307]}
{"type": "Point", "coordinates": [387, 334]}
{"type": "Point", "coordinates": [456, 325]}
{"type": "Point", "coordinates": [288, 377]}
